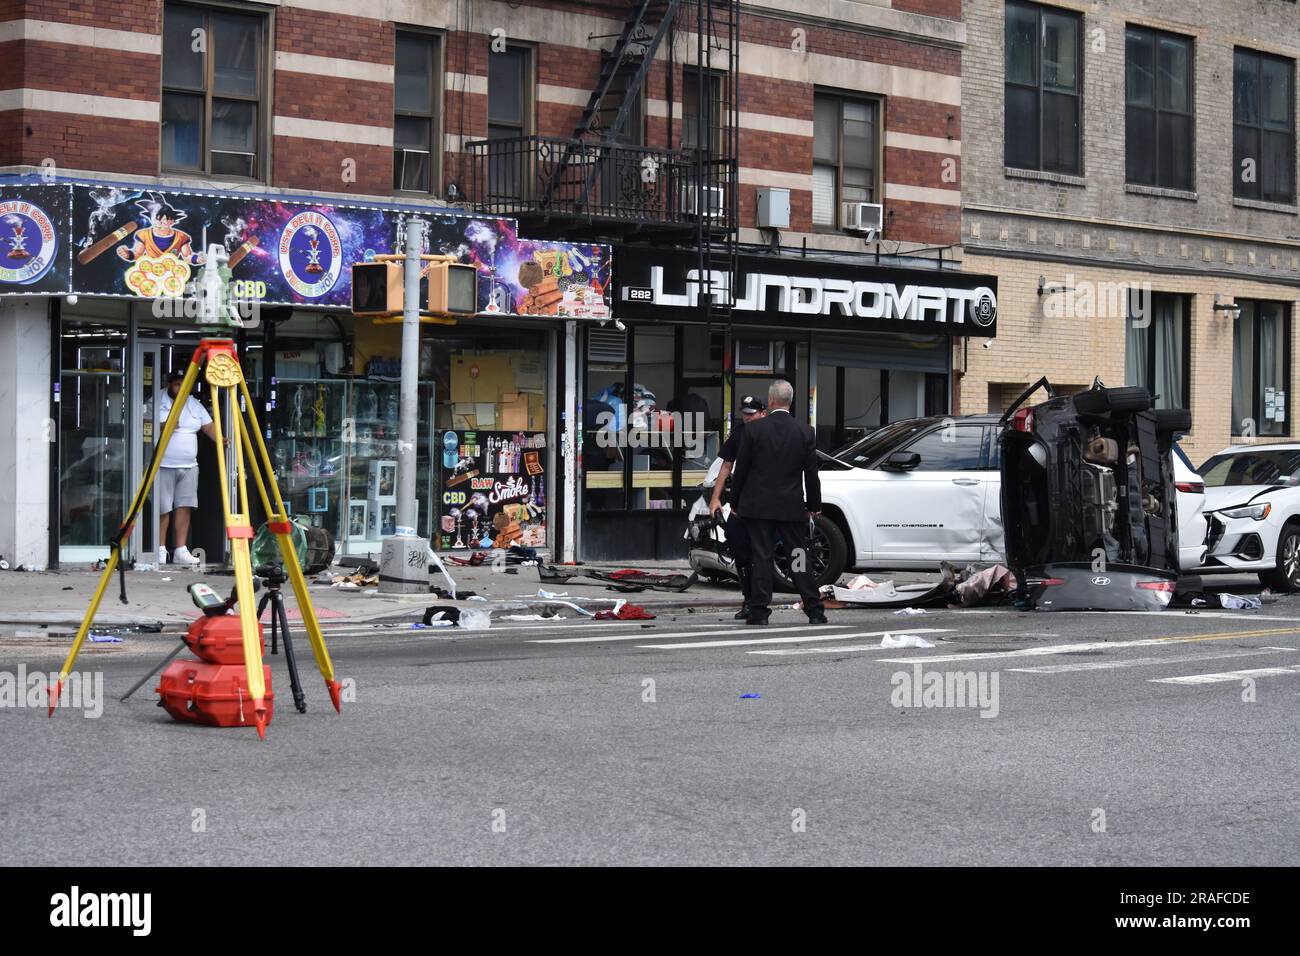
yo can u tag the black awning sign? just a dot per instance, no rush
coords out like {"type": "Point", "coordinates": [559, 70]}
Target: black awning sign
{"type": "Point", "coordinates": [815, 293]}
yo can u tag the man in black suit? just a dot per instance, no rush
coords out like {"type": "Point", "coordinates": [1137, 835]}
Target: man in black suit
{"type": "Point", "coordinates": [777, 491]}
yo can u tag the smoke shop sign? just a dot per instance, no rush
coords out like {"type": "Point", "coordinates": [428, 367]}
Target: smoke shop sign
{"type": "Point", "coordinates": [106, 239]}
{"type": "Point", "coordinates": [813, 293]}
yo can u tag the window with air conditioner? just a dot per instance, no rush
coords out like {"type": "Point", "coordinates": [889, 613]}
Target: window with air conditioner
{"type": "Point", "coordinates": [846, 148]}
{"type": "Point", "coordinates": [417, 106]}
{"type": "Point", "coordinates": [213, 91]}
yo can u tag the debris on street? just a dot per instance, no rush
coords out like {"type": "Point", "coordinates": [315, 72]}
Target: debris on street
{"type": "Point", "coordinates": [904, 640]}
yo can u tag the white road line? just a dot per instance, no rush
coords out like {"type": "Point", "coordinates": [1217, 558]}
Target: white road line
{"type": "Point", "coordinates": [870, 647]}
{"type": "Point", "coordinates": [1227, 675]}
{"type": "Point", "coordinates": [809, 635]}
{"type": "Point", "coordinates": [1141, 661]}
{"type": "Point", "coordinates": [650, 635]}
{"type": "Point", "coordinates": [1052, 649]}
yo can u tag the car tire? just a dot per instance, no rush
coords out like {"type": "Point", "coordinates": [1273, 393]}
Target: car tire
{"type": "Point", "coordinates": [1173, 419]}
{"type": "Point", "coordinates": [1127, 398]}
{"type": "Point", "coordinates": [1285, 577]}
{"type": "Point", "coordinates": [828, 540]}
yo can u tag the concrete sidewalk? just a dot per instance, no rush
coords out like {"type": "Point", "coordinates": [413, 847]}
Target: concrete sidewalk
{"type": "Point", "coordinates": [57, 600]}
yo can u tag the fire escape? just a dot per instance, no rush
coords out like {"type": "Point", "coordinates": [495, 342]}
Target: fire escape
{"type": "Point", "coordinates": [601, 183]}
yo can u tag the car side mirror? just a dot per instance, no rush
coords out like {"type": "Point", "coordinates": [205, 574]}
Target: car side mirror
{"type": "Point", "coordinates": [902, 461]}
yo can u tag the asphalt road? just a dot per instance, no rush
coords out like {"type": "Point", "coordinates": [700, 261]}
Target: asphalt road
{"type": "Point", "coordinates": [531, 744]}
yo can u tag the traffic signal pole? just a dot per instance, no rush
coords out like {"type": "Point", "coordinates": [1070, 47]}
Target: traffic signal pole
{"type": "Point", "coordinates": [408, 424]}
{"type": "Point", "coordinates": [404, 562]}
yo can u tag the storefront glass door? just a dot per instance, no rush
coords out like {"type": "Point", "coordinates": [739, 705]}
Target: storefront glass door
{"type": "Point", "coordinates": [94, 467]}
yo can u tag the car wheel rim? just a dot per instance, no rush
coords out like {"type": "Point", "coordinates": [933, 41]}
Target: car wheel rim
{"type": "Point", "coordinates": [1291, 558]}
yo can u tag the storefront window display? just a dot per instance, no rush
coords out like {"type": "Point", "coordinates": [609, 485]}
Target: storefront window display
{"type": "Point", "coordinates": [652, 423]}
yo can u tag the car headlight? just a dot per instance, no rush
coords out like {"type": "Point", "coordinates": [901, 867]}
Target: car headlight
{"type": "Point", "coordinates": [1259, 512]}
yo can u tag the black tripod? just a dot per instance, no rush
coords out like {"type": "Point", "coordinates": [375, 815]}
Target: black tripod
{"type": "Point", "coordinates": [273, 576]}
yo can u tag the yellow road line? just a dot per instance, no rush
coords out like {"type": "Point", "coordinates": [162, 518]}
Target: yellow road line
{"type": "Point", "coordinates": [1228, 635]}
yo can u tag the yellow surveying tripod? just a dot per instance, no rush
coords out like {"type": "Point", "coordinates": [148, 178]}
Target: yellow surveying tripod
{"type": "Point", "coordinates": [223, 373]}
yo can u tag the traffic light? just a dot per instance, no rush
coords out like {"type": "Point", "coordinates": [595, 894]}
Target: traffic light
{"type": "Point", "coordinates": [453, 289]}
{"type": "Point", "coordinates": [377, 288]}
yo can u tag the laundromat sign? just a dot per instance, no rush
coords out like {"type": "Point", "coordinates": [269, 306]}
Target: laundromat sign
{"type": "Point", "coordinates": [130, 240]}
{"type": "Point", "coordinates": [813, 293]}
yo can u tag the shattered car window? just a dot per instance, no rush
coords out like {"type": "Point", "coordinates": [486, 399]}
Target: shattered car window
{"type": "Point", "coordinates": [1250, 468]}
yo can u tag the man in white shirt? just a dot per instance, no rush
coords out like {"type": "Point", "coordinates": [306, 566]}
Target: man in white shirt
{"type": "Point", "coordinates": [177, 484]}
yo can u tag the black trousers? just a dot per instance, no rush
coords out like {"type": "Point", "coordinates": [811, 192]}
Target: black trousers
{"type": "Point", "coordinates": [738, 540]}
{"type": "Point", "coordinates": [763, 535]}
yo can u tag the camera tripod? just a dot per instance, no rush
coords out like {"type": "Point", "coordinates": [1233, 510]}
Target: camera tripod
{"type": "Point", "coordinates": [273, 577]}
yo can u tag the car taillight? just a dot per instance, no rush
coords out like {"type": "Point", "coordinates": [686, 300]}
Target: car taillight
{"type": "Point", "coordinates": [1048, 582]}
{"type": "Point", "coordinates": [1156, 585]}
{"type": "Point", "coordinates": [1023, 420]}
{"type": "Point", "coordinates": [1190, 487]}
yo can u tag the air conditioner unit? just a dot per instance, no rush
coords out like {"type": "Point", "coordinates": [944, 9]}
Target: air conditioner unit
{"type": "Point", "coordinates": [863, 217]}
{"type": "Point", "coordinates": [707, 201]}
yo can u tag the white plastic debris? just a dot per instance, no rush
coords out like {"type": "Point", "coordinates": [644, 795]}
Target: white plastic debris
{"type": "Point", "coordinates": [1240, 602]}
{"type": "Point", "coordinates": [475, 619]}
{"type": "Point", "coordinates": [909, 611]}
{"type": "Point", "coordinates": [904, 640]}
{"type": "Point", "coordinates": [533, 617]}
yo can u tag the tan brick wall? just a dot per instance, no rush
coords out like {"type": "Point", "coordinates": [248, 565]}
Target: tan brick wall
{"type": "Point", "coordinates": [1071, 350]}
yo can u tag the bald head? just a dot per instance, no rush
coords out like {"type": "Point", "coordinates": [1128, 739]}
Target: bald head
{"type": "Point", "coordinates": [780, 395]}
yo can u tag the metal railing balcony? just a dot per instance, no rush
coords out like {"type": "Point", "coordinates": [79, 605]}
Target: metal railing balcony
{"type": "Point", "coordinates": [562, 178]}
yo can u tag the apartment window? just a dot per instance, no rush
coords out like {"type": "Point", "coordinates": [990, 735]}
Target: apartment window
{"type": "Point", "coordinates": [1261, 368]}
{"type": "Point", "coordinates": [510, 99]}
{"type": "Point", "coordinates": [1156, 354]}
{"type": "Point", "coordinates": [1263, 132]}
{"type": "Point", "coordinates": [213, 91]}
{"type": "Point", "coordinates": [846, 138]}
{"type": "Point", "coordinates": [691, 118]}
{"type": "Point", "coordinates": [1158, 108]}
{"type": "Point", "coordinates": [510, 77]}
{"type": "Point", "coordinates": [1044, 92]}
{"type": "Point", "coordinates": [416, 103]}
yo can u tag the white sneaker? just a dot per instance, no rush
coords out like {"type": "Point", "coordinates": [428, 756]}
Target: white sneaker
{"type": "Point", "coordinates": [182, 556]}
{"type": "Point", "coordinates": [162, 555]}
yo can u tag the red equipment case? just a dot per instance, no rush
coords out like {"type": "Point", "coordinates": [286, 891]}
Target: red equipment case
{"type": "Point", "coordinates": [213, 694]}
{"type": "Point", "coordinates": [219, 639]}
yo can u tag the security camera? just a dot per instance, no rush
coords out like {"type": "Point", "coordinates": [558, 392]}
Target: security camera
{"type": "Point", "coordinates": [987, 344]}
{"type": "Point", "coordinates": [618, 324]}
{"type": "Point", "coordinates": [72, 300]}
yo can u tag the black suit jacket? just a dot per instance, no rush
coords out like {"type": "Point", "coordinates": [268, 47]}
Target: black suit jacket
{"type": "Point", "coordinates": [775, 475]}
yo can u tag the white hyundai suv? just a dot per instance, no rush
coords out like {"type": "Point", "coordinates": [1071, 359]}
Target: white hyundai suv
{"type": "Point", "coordinates": [1252, 499]}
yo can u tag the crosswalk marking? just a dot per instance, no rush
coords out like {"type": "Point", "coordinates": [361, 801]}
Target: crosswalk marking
{"type": "Point", "coordinates": [650, 635]}
{"type": "Point", "coordinates": [810, 634]}
{"type": "Point", "coordinates": [1227, 675]}
{"type": "Point", "coordinates": [1052, 649]}
{"type": "Point", "coordinates": [1141, 662]}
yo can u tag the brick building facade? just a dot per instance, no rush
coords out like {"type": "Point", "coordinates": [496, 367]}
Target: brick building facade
{"type": "Point", "coordinates": [1093, 215]}
{"type": "Point", "coordinates": [81, 87]}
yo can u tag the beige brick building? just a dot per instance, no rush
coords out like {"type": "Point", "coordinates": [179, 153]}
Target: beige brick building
{"type": "Point", "coordinates": [1139, 145]}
